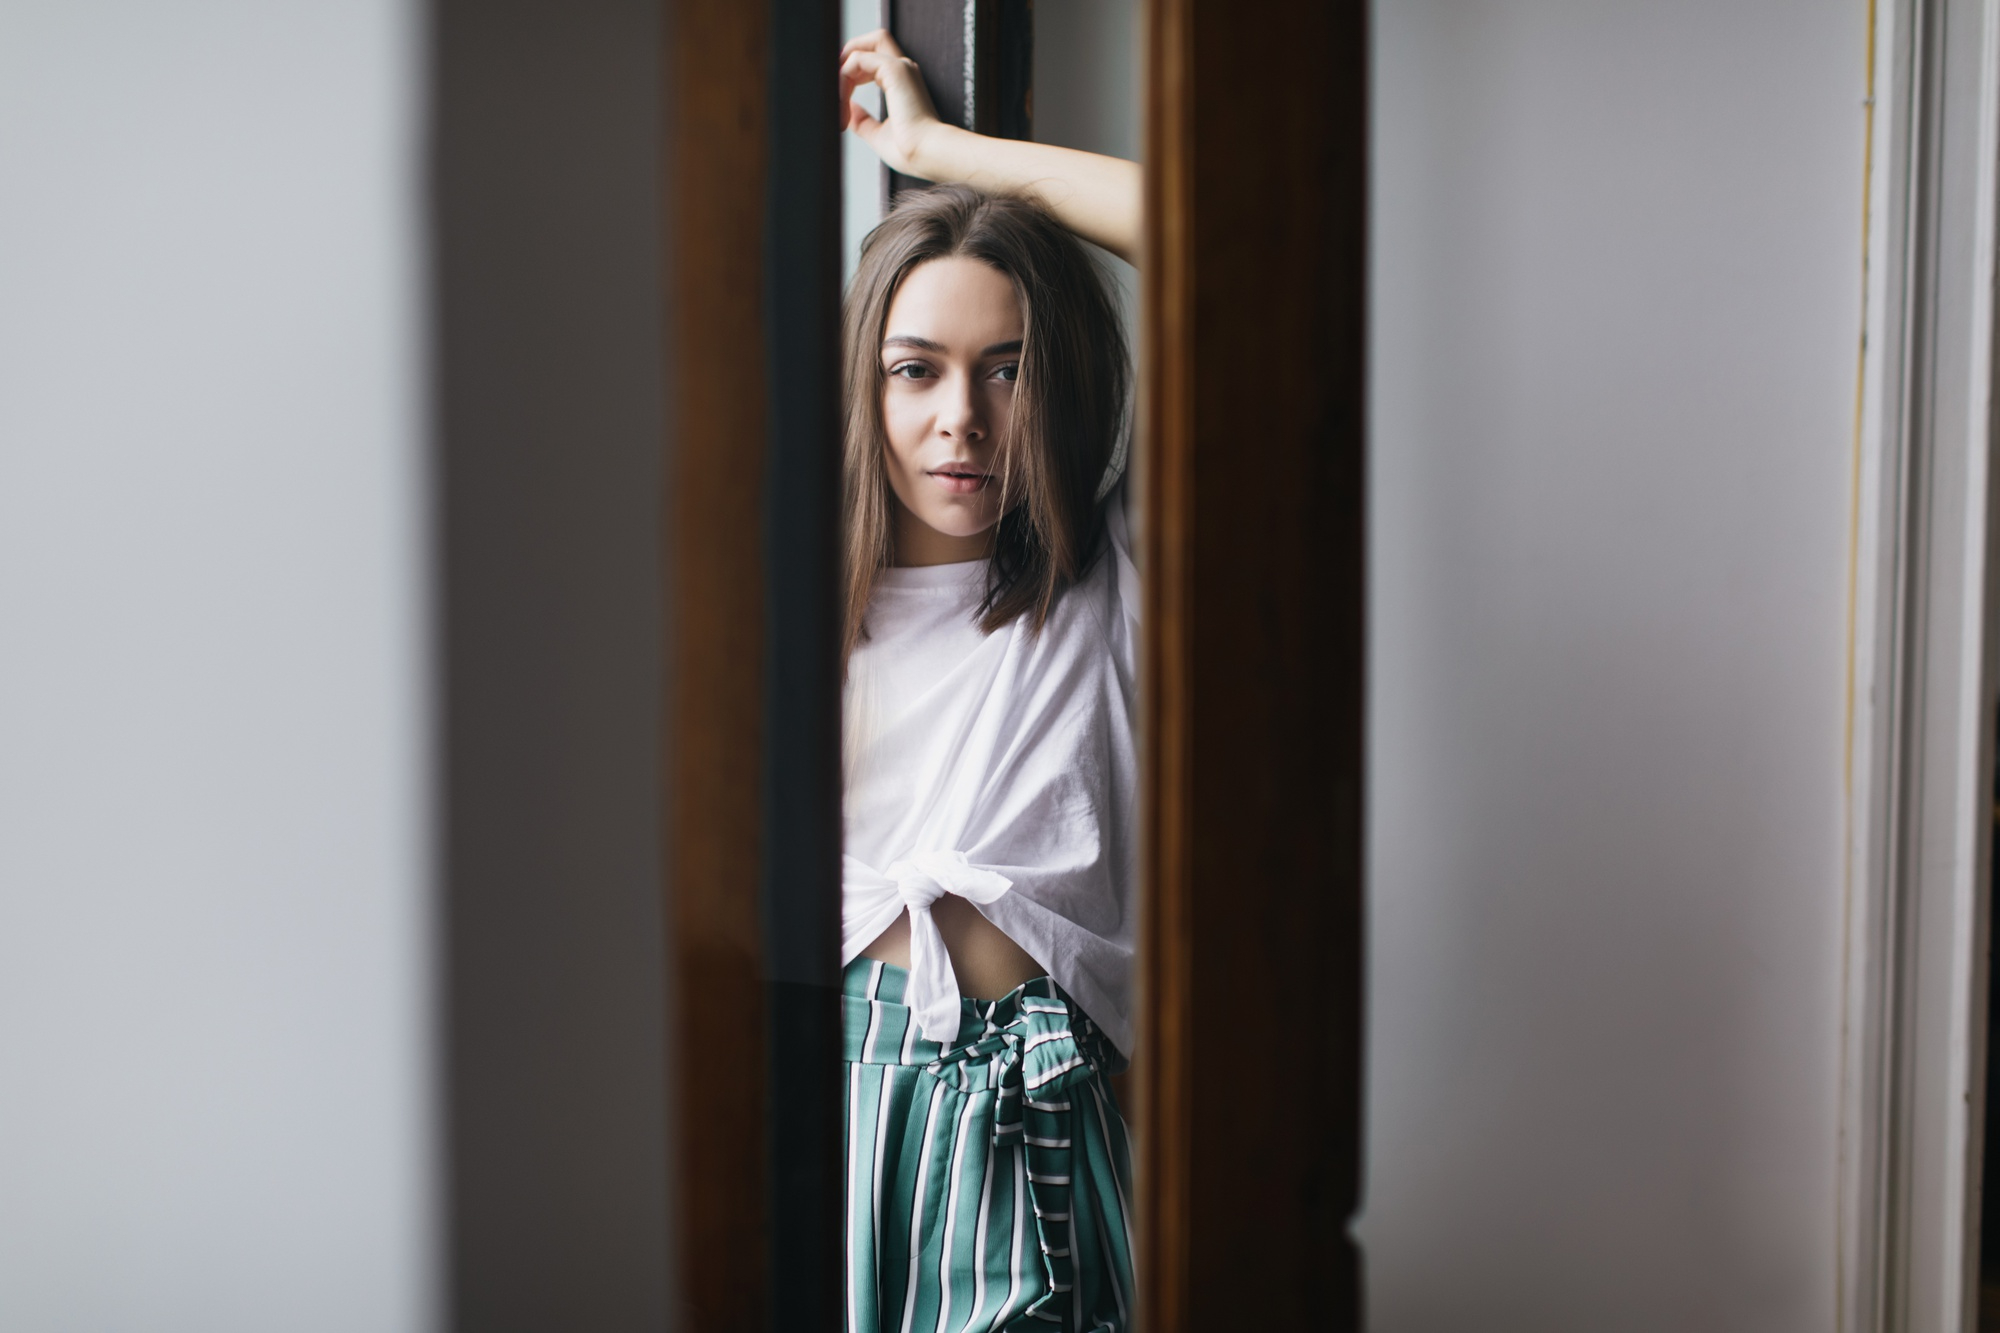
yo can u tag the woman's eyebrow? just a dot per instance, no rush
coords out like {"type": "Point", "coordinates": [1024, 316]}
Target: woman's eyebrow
{"type": "Point", "coordinates": [927, 345]}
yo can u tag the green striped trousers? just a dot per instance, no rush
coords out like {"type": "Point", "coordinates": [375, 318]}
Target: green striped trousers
{"type": "Point", "coordinates": [987, 1181]}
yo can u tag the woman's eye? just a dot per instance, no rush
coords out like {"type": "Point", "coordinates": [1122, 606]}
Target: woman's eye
{"type": "Point", "coordinates": [1008, 372]}
{"type": "Point", "coordinates": [911, 370]}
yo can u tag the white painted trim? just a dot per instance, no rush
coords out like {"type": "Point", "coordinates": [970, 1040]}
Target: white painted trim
{"type": "Point", "coordinates": [1922, 708]}
{"type": "Point", "coordinates": [969, 45]}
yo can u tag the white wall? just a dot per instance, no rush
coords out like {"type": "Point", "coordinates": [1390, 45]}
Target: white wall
{"type": "Point", "coordinates": [214, 914]}
{"type": "Point", "coordinates": [1616, 307]}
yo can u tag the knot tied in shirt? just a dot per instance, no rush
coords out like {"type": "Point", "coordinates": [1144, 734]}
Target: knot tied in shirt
{"type": "Point", "coordinates": [913, 883]}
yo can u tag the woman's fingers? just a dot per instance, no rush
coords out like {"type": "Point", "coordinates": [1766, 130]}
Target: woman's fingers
{"type": "Point", "coordinates": [878, 41]}
{"type": "Point", "coordinates": [907, 116]}
{"type": "Point", "coordinates": [857, 68]}
{"type": "Point", "coordinates": [851, 77]}
{"type": "Point", "coordinates": [869, 67]}
{"type": "Point", "coordinates": [861, 68]}
{"type": "Point", "coordinates": [904, 96]}
{"type": "Point", "coordinates": [891, 73]}
{"type": "Point", "coordinates": [865, 126]}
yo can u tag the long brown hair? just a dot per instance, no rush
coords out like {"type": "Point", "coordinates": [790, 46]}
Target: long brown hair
{"type": "Point", "coordinates": [1070, 397]}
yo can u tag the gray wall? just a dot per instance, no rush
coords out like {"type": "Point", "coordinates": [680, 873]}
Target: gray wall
{"type": "Point", "coordinates": [330, 942]}
{"type": "Point", "coordinates": [1616, 309]}
{"type": "Point", "coordinates": [217, 1101]}
{"type": "Point", "coordinates": [1087, 96]}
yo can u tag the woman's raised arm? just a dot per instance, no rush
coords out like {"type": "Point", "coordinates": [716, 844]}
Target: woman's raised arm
{"type": "Point", "coordinates": [1095, 196]}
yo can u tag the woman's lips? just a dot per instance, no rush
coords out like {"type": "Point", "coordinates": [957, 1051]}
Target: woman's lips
{"type": "Point", "coordinates": [960, 481]}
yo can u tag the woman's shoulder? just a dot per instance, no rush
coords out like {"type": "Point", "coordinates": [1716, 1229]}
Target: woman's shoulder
{"type": "Point", "coordinates": [1098, 614]}
{"type": "Point", "coordinates": [1121, 554]}
{"type": "Point", "coordinates": [1118, 504]}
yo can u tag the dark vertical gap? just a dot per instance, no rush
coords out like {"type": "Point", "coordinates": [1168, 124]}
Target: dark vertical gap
{"type": "Point", "coordinates": [1014, 69]}
{"type": "Point", "coordinates": [801, 842]}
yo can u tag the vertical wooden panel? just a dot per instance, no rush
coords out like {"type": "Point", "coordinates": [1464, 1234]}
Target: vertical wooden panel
{"type": "Point", "coordinates": [1163, 1067]}
{"type": "Point", "coordinates": [1253, 379]}
{"type": "Point", "coordinates": [753, 745]}
{"type": "Point", "coordinates": [715, 131]}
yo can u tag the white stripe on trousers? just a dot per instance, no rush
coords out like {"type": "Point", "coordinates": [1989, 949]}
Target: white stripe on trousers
{"type": "Point", "coordinates": [951, 1215]}
{"type": "Point", "coordinates": [917, 1207]}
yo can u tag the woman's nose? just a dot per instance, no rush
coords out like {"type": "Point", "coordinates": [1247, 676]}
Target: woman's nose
{"type": "Point", "coordinates": [961, 416]}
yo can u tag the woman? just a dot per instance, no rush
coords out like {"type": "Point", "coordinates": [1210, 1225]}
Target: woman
{"type": "Point", "coordinates": [988, 919]}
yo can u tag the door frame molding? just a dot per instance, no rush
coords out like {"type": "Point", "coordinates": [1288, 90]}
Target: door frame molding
{"type": "Point", "coordinates": [751, 281]}
{"type": "Point", "coordinates": [1253, 358]}
{"type": "Point", "coordinates": [1253, 327]}
{"type": "Point", "coordinates": [1922, 677]}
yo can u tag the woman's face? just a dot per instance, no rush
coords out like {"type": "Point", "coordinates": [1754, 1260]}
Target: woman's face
{"type": "Point", "coordinates": [950, 350]}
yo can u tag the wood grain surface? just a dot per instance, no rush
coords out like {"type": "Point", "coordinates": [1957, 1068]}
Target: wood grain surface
{"type": "Point", "coordinates": [1253, 374]}
{"type": "Point", "coordinates": [715, 137]}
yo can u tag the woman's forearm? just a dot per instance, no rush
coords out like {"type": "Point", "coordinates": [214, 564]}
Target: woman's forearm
{"type": "Point", "coordinates": [1095, 196]}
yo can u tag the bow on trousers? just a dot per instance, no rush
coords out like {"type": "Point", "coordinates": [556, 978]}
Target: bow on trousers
{"type": "Point", "coordinates": [1028, 1057]}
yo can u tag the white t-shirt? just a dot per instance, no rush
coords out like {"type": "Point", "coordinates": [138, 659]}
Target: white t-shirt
{"type": "Point", "coordinates": [1002, 768]}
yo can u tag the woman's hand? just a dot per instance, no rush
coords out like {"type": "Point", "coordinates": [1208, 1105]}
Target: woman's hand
{"type": "Point", "coordinates": [1096, 197]}
{"type": "Point", "coordinates": [908, 122]}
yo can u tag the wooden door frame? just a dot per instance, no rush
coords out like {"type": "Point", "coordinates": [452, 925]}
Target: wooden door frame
{"type": "Point", "coordinates": [1253, 343]}
{"type": "Point", "coordinates": [1252, 347]}
{"type": "Point", "coordinates": [752, 831]}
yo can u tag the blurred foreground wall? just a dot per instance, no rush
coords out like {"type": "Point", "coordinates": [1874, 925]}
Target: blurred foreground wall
{"type": "Point", "coordinates": [329, 435]}
{"type": "Point", "coordinates": [1616, 309]}
{"type": "Point", "coordinates": [216, 925]}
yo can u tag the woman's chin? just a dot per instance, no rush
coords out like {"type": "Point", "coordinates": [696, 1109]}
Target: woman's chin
{"type": "Point", "coordinates": [944, 530]}
{"type": "Point", "coordinates": [953, 522]}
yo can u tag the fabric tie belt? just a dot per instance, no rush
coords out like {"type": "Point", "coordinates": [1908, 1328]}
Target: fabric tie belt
{"type": "Point", "coordinates": [913, 884]}
{"type": "Point", "coordinates": [1034, 1053]}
